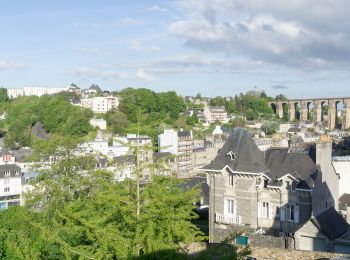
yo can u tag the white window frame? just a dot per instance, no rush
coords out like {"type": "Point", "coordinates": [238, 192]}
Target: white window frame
{"type": "Point", "coordinates": [7, 173]}
{"type": "Point", "coordinates": [6, 181]}
{"type": "Point", "coordinates": [265, 210]}
{"type": "Point", "coordinates": [6, 189]}
{"type": "Point", "coordinates": [230, 207]}
{"type": "Point", "coordinates": [230, 180]}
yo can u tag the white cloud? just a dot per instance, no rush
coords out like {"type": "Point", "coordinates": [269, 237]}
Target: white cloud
{"type": "Point", "coordinates": [157, 8]}
{"type": "Point", "coordinates": [109, 74]}
{"type": "Point", "coordinates": [297, 34]}
{"type": "Point", "coordinates": [85, 72]}
{"type": "Point", "coordinates": [129, 20]}
{"type": "Point", "coordinates": [143, 75]}
{"type": "Point", "coordinates": [137, 45]}
{"type": "Point", "coordinates": [11, 65]}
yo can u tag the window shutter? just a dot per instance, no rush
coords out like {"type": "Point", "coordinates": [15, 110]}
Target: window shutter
{"type": "Point", "coordinates": [282, 213]}
{"type": "Point", "coordinates": [271, 211]}
{"type": "Point", "coordinates": [225, 206]}
{"type": "Point", "coordinates": [259, 209]}
{"type": "Point", "coordinates": [296, 214]}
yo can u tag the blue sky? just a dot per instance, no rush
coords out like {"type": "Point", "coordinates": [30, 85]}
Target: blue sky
{"type": "Point", "coordinates": [215, 47]}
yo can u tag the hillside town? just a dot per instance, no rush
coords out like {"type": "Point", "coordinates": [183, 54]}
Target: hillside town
{"type": "Point", "coordinates": [278, 183]}
{"type": "Point", "coordinates": [179, 129]}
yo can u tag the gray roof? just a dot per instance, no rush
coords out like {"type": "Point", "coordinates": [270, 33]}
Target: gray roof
{"type": "Point", "coordinates": [183, 133]}
{"type": "Point", "coordinates": [12, 168]}
{"type": "Point", "coordinates": [247, 156]}
{"type": "Point", "coordinates": [163, 156]}
{"type": "Point", "coordinates": [331, 223]}
{"type": "Point", "coordinates": [201, 183]}
{"type": "Point", "coordinates": [297, 163]}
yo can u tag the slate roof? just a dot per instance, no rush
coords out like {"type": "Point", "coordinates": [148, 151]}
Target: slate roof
{"type": "Point", "coordinates": [163, 155]}
{"type": "Point", "coordinates": [247, 156]}
{"type": "Point", "coordinates": [297, 163]}
{"type": "Point", "coordinates": [331, 223]}
{"type": "Point", "coordinates": [183, 133]}
{"type": "Point", "coordinates": [123, 159]}
{"type": "Point", "coordinates": [12, 168]}
{"type": "Point", "coordinates": [203, 186]}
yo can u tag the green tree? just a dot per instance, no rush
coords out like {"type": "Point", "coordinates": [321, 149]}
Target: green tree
{"type": "Point", "coordinates": [117, 121]}
{"type": "Point", "coordinates": [192, 120]}
{"type": "Point", "coordinates": [3, 96]}
{"type": "Point", "coordinates": [217, 101]}
{"type": "Point", "coordinates": [269, 128]}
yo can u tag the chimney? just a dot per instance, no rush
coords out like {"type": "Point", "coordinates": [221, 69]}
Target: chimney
{"type": "Point", "coordinates": [324, 150]}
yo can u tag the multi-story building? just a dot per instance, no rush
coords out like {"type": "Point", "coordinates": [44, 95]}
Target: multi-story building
{"type": "Point", "coordinates": [100, 104]}
{"type": "Point", "coordinates": [34, 91]}
{"type": "Point", "coordinates": [10, 185]}
{"type": "Point", "coordinates": [274, 193]}
{"type": "Point", "coordinates": [215, 113]}
{"type": "Point", "coordinates": [179, 143]}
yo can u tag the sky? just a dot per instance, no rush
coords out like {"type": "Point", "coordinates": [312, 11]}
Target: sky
{"type": "Point", "coordinates": [300, 48]}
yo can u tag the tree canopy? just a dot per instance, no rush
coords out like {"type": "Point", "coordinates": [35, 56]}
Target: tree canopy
{"type": "Point", "coordinates": [78, 212]}
{"type": "Point", "coordinates": [55, 113]}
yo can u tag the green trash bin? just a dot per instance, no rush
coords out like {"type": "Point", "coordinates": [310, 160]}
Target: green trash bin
{"type": "Point", "coordinates": [242, 240]}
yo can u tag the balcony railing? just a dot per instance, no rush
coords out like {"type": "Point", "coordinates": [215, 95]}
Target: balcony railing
{"type": "Point", "coordinates": [228, 219]}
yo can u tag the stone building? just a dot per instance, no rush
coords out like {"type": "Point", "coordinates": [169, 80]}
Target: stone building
{"type": "Point", "coordinates": [180, 144]}
{"type": "Point", "coordinates": [215, 113]}
{"type": "Point", "coordinates": [269, 193]}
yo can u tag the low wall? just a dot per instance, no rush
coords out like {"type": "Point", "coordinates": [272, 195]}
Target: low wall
{"type": "Point", "coordinates": [261, 253]}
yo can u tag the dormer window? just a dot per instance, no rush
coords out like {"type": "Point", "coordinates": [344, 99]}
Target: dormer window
{"type": "Point", "coordinates": [7, 173]}
{"type": "Point", "coordinates": [232, 155]}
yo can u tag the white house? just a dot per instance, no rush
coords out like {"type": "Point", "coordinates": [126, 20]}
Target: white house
{"type": "Point", "coordinates": [100, 104]}
{"type": "Point", "coordinates": [34, 91]}
{"type": "Point", "coordinates": [215, 113]}
{"type": "Point", "coordinates": [10, 185]}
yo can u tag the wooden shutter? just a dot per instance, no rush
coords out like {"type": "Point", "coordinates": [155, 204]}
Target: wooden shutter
{"type": "Point", "coordinates": [282, 213]}
{"type": "Point", "coordinates": [259, 209]}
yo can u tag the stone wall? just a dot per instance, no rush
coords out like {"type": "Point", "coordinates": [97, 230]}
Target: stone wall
{"type": "Point", "coordinates": [261, 253]}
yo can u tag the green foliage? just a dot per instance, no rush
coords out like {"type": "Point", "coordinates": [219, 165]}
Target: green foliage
{"type": "Point", "coordinates": [281, 97]}
{"type": "Point", "coordinates": [76, 212]}
{"type": "Point", "coordinates": [3, 96]}
{"type": "Point", "coordinates": [117, 121]}
{"type": "Point", "coordinates": [54, 112]}
{"type": "Point", "coordinates": [269, 127]}
{"type": "Point", "coordinates": [192, 120]}
{"type": "Point", "coordinates": [148, 101]}
{"type": "Point", "coordinates": [253, 107]}
{"type": "Point", "coordinates": [217, 101]}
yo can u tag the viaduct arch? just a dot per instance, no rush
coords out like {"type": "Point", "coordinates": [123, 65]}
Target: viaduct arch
{"type": "Point", "coordinates": [317, 103]}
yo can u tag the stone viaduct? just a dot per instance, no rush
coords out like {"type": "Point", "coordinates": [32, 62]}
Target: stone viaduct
{"type": "Point", "coordinates": [303, 106]}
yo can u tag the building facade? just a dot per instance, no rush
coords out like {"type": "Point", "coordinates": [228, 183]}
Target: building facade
{"type": "Point", "coordinates": [179, 143]}
{"type": "Point", "coordinates": [10, 185]}
{"type": "Point", "coordinates": [100, 104]}
{"type": "Point", "coordinates": [215, 113]}
{"type": "Point", "coordinates": [269, 193]}
{"type": "Point", "coordinates": [34, 91]}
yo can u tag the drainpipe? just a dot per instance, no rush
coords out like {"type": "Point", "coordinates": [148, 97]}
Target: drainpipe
{"type": "Point", "coordinates": [257, 207]}
{"type": "Point", "coordinates": [212, 209]}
